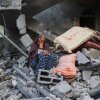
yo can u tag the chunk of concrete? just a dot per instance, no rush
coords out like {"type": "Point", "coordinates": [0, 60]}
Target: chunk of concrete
{"type": "Point", "coordinates": [14, 97]}
{"type": "Point", "coordinates": [45, 77]}
{"type": "Point", "coordinates": [94, 54]}
{"type": "Point", "coordinates": [26, 40]}
{"type": "Point", "coordinates": [86, 75]}
{"type": "Point", "coordinates": [95, 82]}
{"type": "Point", "coordinates": [21, 61]}
{"type": "Point", "coordinates": [85, 96]}
{"type": "Point", "coordinates": [21, 24]}
{"type": "Point", "coordinates": [62, 87]}
{"type": "Point", "coordinates": [81, 58]}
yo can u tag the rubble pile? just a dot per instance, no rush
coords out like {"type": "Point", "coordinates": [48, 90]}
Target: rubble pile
{"type": "Point", "coordinates": [76, 76]}
{"type": "Point", "coordinates": [18, 82]}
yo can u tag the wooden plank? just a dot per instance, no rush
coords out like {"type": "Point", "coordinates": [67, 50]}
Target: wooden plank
{"type": "Point", "coordinates": [74, 37]}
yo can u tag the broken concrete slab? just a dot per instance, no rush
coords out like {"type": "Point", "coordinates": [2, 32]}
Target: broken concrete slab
{"type": "Point", "coordinates": [25, 91]}
{"type": "Point", "coordinates": [85, 96]}
{"type": "Point", "coordinates": [11, 4]}
{"type": "Point", "coordinates": [26, 40]}
{"type": "Point", "coordinates": [40, 98]}
{"type": "Point", "coordinates": [95, 82]}
{"type": "Point", "coordinates": [21, 24]}
{"type": "Point", "coordinates": [86, 75]}
{"type": "Point", "coordinates": [14, 97]}
{"type": "Point", "coordinates": [81, 58]}
{"type": "Point", "coordinates": [21, 61]}
{"type": "Point", "coordinates": [62, 87]}
{"type": "Point", "coordinates": [94, 54]}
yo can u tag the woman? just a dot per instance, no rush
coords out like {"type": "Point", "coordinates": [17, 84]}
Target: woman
{"type": "Point", "coordinates": [40, 57]}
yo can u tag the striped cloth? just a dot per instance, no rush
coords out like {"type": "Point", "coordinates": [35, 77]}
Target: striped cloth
{"type": "Point", "coordinates": [44, 62]}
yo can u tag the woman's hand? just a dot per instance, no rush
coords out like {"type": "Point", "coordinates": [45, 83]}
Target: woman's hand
{"type": "Point", "coordinates": [45, 52]}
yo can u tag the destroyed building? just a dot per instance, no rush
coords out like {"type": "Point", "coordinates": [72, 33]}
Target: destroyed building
{"type": "Point", "coordinates": [72, 28]}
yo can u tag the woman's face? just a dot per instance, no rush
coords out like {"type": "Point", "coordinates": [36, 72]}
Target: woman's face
{"type": "Point", "coordinates": [41, 38]}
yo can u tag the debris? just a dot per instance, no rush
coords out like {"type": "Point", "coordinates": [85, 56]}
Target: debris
{"type": "Point", "coordinates": [85, 96]}
{"type": "Point", "coordinates": [26, 40]}
{"type": "Point", "coordinates": [21, 61]}
{"type": "Point", "coordinates": [21, 24]}
{"type": "Point", "coordinates": [45, 77]}
{"type": "Point", "coordinates": [45, 92]}
{"type": "Point", "coordinates": [12, 43]}
{"type": "Point", "coordinates": [10, 4]}
{"type": "Point", "coordinates": [18, 82]}
{"type": "Point", "coordinates": [82, 59]}
{"type": "Point", "coordinates": [62, 88]}
{"type": "Point", "coordinates": [40, 98]}
{"type": "Point", "coordinates": [86, 75]}
{"type": "Point", "coordinates": [94, 54]}
{"type": "Point", "coordinates": [14, 97]}
{"type": "Point", "coordinates": [95, 82]}
{"type": "Point", "coordinates": [25, 91]}
{"type": "Point", "coordinates": [74, 37]}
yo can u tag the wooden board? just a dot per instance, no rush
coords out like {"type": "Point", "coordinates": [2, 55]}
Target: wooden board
{"type": "Point", "coordinates": [73, 38]}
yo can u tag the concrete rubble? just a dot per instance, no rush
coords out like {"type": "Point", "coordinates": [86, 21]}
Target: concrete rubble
{"type": "Point", "coordinates": [17, 82]}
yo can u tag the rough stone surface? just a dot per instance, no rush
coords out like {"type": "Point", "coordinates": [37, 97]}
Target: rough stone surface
{"type": "Point", "coordinates": [82, 59]}
{"type": "Point", "coordinates": [62, 87]}
{"type": "Point", "coordinates": [86, 75]}
{"type": "Point", "coordinates": [85, 96]}
{"type": "Point", "coordinates": [95, 82]}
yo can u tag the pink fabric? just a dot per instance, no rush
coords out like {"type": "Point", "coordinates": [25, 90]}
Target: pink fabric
{"type": "Point", "coordinates": [67, 66]}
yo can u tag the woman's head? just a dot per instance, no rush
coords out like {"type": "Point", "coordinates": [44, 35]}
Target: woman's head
{"type": "Point", "coordinates": [41, 38]}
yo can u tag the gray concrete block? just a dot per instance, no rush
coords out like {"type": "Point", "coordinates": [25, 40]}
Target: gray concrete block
{"type": "Point", "coordinates": [44, 80]}
{"type": "Point", "coordinates": [62, 87]}
{"type": "Point", "coordinates": [86, 75]}
{"type": "Point", "coordinates": [45, 77]}
{"type": "Point", "coordinates": [39, 98]}
{"type": "Point", "coordinates": [85, 96]}
{"type": "Point", "coordinates": [81, 58]}
{"type": "Point", "coordinates": [95, 82]}
{"type": "Point", "coordinates": [26, 40]}
{"type": "Point", "coordinates": [44, 72]}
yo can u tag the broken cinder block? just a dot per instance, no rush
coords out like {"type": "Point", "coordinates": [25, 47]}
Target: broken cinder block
{"type": "Point", "coordinates": [45, 77]}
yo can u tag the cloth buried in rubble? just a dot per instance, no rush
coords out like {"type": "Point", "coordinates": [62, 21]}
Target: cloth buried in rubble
{"type": "Point", "coordinates": [66, 66]}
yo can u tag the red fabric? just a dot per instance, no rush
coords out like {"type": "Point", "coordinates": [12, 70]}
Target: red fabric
{"type": "Point", "coordinates": [90, 44]}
